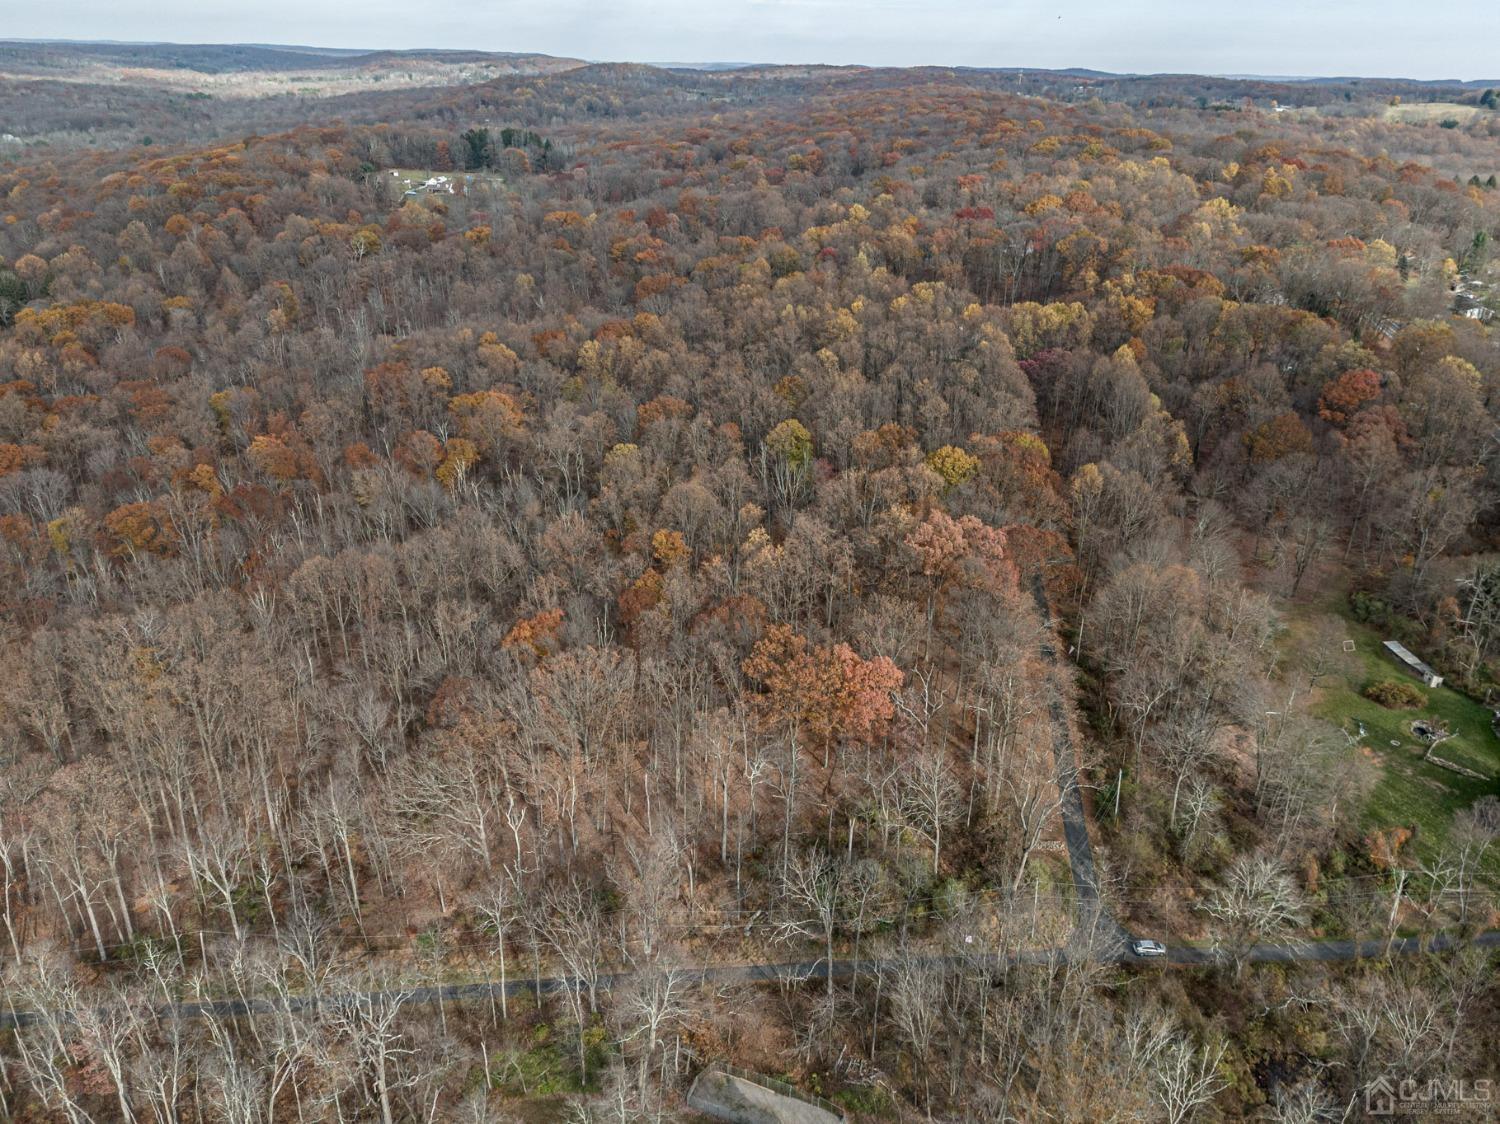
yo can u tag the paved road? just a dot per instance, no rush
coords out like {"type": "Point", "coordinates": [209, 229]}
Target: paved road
{"type": "Point", "coordinates": [1097, 935]}
{"type": "Point", "coordinates": [770, 972]}
{"type": "Point", "coordinates": [1094, 923]}
{"type": "Point", "coordinates": [1336, 950]}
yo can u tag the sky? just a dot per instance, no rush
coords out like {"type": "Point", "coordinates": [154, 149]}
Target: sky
{"type": "Point", "coordinates": [1384, 38]}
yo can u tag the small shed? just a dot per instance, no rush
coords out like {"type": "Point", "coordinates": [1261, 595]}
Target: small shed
{"type": "Point", "coordinates": [1412, 664]}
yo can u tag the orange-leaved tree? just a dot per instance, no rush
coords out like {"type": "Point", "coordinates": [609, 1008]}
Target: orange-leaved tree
{"type": "Point", "coordinates": [961, 552]}
{"type": "Point", "coordinates": [827, 692]}
{"type": "Point", "coordinates": [1342, 397]}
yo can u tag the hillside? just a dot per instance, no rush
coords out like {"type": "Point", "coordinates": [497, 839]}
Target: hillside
{"type": "Point", "coordinates": [789, 568]}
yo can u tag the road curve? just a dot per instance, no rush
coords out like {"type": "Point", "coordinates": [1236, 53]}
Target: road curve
{"type": "Point", "coordinates": [1097, 935]}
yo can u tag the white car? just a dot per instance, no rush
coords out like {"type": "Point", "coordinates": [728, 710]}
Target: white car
{"type": "Point", "coordinates": [1148, 949]}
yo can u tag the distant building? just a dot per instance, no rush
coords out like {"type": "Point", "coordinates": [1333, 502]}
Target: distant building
{"type": "Point", "coordinates": [1472, 298]}
{"type": "Point", "coordinates": [1413, 665]}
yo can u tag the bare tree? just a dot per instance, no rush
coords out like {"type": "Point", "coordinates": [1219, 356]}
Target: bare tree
{"type": "Point", "coordinates": [653, 1001]}
{"type": "Point", "coordinates": [929, 798]}
{"type": "Point", "coordinates": [568, 920]}
{"type": "Point", "coordinates": [328, 829]}
{"type": "Point", "coordinates": [161, 1069]}
{"type": "Point", "coordinates": [916, 990]}
{"type": "Point", "coordinates": [1298, 543]}
{"type": "Point", "coordinates": [15, 843]}
{"type": "Point", "coordinates": [1257, 900]}
{"type": "Point", "coordinates": [108, 1027]}
{"type": "Point", "coordinates": [1475, 830]}
{"type": "Point", "coordinates": [649, 879]}
{"type": "Point", "coordinates": [1322, 654]}
{"type": "Point", "coordinates": [220, 857]}
{"type": "Point", "coordinates": [1033, 797]}
{"type": "Point", "coordinates": [813, 886]}
{"type": "Point", "coordinates": [1200, 817]}
{"type": "Point", "coordinates": [365, 1016]}
{"type": "Point", "coordinates": [1186, 1077]}
{"type": "Point", "coordinates": [1176, 1075]}
{"type": "Point", "coordinates": [44, 1047]}
{"type": "Point", "coordinates": [453, 798]}
{"type": "Point", "coordinates": [1306, 1102]}
{"type": "Point", "coordinates": [499, 907]}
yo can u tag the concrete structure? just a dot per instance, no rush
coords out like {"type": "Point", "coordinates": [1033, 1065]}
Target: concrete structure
{"type": "Point", "coordinates": [751, 1100]}
{"type": "Point", "coordinates": [1413, 665]}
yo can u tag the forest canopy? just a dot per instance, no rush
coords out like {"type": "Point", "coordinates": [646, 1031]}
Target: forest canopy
{"type": "Point", "coordinates": [602, 521]}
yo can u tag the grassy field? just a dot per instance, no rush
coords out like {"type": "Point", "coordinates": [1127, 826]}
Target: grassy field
{"type": "Point", "coordinates": [1432, 112]}
{"type": "Point", "coordinates": [1411, 791]}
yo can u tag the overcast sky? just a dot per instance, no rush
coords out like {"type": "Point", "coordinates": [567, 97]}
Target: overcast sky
{"type": "Point", "coordinates": [1435, 39]}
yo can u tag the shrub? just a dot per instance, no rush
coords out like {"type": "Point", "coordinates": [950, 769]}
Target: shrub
{"type": "Point", "coordinates": [1395, 696]}
{"type": "Point", "coordinates": [1369, 608]}
{"type": "Point", "coordinates": [868, 1100]}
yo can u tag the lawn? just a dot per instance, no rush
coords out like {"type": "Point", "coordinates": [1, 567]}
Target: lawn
{"type": "Point", "coordinates": [1411, 791]}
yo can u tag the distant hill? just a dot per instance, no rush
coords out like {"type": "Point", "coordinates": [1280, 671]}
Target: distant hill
{"type": "Point", "coordinates": [46, 57]}
{"type": "Point", "coordinates": [703, 65]}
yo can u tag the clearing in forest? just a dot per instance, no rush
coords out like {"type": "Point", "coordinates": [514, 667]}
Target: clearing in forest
{"type": "Point", "coordinates": [1432, 112]}
{"type": "Point", "coordinates": [1411, 791]}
